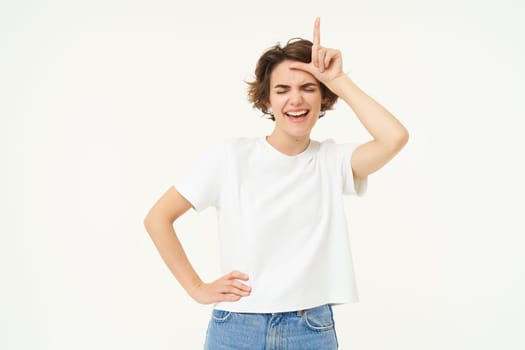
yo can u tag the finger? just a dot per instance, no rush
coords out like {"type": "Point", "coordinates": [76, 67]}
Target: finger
{"type": "Point", "coordinates": [316, 43]}
{"type": "Point", "coordinates": [230, 286]}
{"type": "Point", "coordinates": [241, 286]}
{"type": "Point", "coordinates": [228, 297]}
{"type": "Point", "coordinates": [237, 287]}
{"type": "Point", "coordinates": [232, 290]}
{"type": "Point", "coordinates": [317, 32]}
{"type": "Point", "coordinates": [329, 57]}
{"type": "Point", "coordinates": [321, 56]}
{"type": "Point", "coordinates": [302, 66]}
{"type": "Point", "coordinates": [315, 56]}
{"type": "Point", "coordinates": [237, 275]}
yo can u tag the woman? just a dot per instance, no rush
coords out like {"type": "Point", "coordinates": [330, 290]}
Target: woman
{"type": "Point", "coordinates": [283, 235]}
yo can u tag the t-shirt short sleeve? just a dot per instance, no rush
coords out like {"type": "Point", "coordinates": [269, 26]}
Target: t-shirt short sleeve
{"type": "Point", "coordinates": [351, 186]}
{"type": "Point", "coordinates": [201, 183]}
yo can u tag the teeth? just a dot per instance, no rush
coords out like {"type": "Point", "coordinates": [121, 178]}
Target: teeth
{"type": "Point", "coordinates": [297, 114]}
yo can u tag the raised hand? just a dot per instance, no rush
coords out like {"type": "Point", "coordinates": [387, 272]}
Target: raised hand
{"type": "Point", "coordinates": [226, 288]}
{"type": "Point", "coordinates": [326, 64]}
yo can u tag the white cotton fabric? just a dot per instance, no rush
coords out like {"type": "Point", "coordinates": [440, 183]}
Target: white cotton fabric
{"type": "Point", "coordinates": [281, 220]}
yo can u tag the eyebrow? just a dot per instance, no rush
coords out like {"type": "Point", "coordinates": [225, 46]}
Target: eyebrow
{"type": "Point", "coordinates": [284, 86]}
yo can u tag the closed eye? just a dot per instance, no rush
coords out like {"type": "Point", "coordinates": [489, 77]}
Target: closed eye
{"type": "Point", "coordinates": [309, 87]}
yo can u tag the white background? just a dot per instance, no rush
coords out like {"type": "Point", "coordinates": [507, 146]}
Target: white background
{"type": "Point", "coordinates": [104, 103]}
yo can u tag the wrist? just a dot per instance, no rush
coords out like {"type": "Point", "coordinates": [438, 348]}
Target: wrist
{"type": "Point", "coordinates": [193, 287]}
{"type": "Point", "coordinates": [339, 84]}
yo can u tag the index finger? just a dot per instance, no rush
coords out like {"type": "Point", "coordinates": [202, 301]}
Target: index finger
{"type": "Point", "coordinates": [237, 275]}
{"type": "Point", "coordinates": [317, 33]}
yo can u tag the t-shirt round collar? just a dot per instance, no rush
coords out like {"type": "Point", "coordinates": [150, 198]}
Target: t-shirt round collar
{"type": "Point", "coordinates": [308, 151]}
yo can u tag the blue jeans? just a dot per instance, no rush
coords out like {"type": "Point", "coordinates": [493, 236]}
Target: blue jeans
{"type": "Point", "coordinates": [306, 329]}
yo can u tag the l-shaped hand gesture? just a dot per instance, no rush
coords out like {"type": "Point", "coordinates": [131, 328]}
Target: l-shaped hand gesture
{"type": "Point", "coordinates": [326, 64]}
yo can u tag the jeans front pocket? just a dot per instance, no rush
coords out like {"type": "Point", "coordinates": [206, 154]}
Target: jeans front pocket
{"type": "Point", "coordinates": [220, 316]}
{"type": "Point", "coordinates": [319, 318]}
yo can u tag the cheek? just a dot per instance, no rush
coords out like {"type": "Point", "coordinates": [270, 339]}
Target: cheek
{"type": "Point", "coordinates": [316, 99]}
{"type": "Point", "coordinates": [276, 100]}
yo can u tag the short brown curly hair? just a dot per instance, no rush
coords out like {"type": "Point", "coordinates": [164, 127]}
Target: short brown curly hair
{"type": "Point", "coordinates": [296, 49]}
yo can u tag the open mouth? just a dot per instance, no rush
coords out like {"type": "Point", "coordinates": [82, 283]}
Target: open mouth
{"type": "Point", "coordinates": [297, 116]}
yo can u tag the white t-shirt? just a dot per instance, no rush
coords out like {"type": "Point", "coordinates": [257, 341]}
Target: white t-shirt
{"type": "Point", "coordinates": [281, 220]}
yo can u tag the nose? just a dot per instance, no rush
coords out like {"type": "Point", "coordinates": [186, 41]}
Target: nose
{"type": "Point", "coordinates": [296, 97]}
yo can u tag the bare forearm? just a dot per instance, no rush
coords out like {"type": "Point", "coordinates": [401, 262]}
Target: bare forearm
{"type": "Point", "coordinates": [159, 224]}
{"type": "Point", "coordinates": [379, 122]}
{"type": "Point", "coordinates": [170, 249]}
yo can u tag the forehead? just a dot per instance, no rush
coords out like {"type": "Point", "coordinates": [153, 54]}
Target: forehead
{"type": "Point", "coordinates": [283, 74]}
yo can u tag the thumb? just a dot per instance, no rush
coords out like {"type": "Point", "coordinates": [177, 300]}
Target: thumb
{"type": "Point", "coordinates": [307, 67]}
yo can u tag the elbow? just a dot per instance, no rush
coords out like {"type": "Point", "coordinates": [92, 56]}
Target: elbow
{"type": "Point", "coordinates": [147, 223]}
{"type": "Point", "coordinates": [150, 221]}
{"type": "Point", "coordinates": [156, 221]}
{"type": "Point", "coordinates": [399, 140]}
{"type": "Point", "coordinates": [402, 138]}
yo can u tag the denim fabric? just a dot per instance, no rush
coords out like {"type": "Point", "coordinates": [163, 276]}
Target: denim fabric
{"type": "Point", "coordinates": [306, 329]}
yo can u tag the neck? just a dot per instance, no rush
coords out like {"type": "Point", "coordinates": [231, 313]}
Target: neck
{"type": "Point", "coordinates": [288, 144]}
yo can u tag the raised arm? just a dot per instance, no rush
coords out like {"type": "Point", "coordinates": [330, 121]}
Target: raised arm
{"type": "Point", "coordinates": [159, 224]}
{"type": "Point", "coordinates": [389, 135]}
